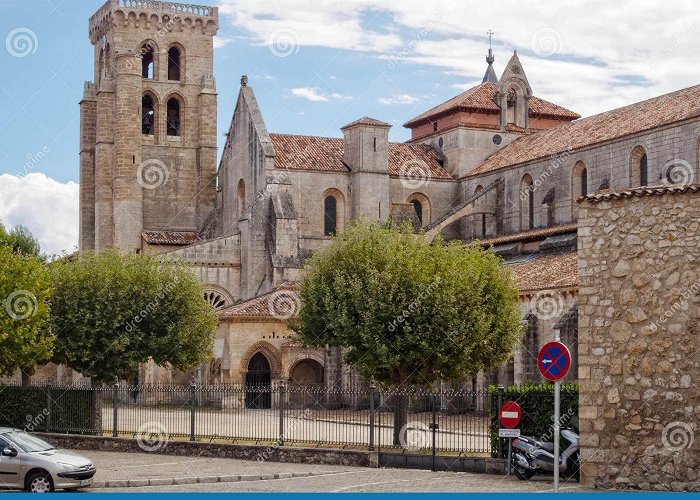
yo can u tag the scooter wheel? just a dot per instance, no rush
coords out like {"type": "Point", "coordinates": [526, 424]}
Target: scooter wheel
{"type": "Point", "coordinates": [575, 468]}
{"type": "Point", "coordinates": [522, 473]}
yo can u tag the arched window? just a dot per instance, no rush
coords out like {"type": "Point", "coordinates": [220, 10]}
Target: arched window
{"type": "Point", "coordinates": [241, 197]}
{"type": "Point", "coordinates": [419, 210]}
{"type": "Point", "coordinates": [333, 211]}
{"type": "Point", "coordinates": [530, 349]}
{"type": "Point", "coordinates": [148, 115]}
{"type": "Point", "coordinates": [579, 185]}
{"type": "Point", "coordinates": [174, 64]}
{"type": "Point", "coordinates": [173, 120]}
{"type": "Point", "coordinates": [527, 203]}
{"type": "Point", "coordinates": [421, 205]}
{"type": "Point", "coordinates": [639, 167]}
{"type": "Point", "coordinates": [482, 217]}
{"type": "Point", "coordinates": [147, 60]}
{"type": "Point", "coordinates": [330, 215]}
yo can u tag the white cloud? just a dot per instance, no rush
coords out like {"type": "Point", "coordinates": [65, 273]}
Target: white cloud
{"type": "Point", "coordinates": [47, 207]}
{"type": "Point", "coordinates": [316, 95]}
{"type": "Point", "coordinates": [589, 56]}
{"type": "Point", "coordinates": [399, 99]}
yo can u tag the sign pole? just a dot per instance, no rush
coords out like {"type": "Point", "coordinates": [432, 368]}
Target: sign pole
{"type": "Point", "coordinates": [557, 411]}
{"type": "Point", "coordinates": [510, 456]}
{"type": "Point", "coordinates": [556, 436]}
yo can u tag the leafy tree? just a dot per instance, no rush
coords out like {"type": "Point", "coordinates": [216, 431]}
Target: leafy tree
{"type": "Point", "coordinates": [408, 313]}
{"type": "Point", "coordinates": [25, 292]}
{"type": "Point", "coordinates": [23, 241]}
{"type": "Point", "coordinates": [20, 239]}
{"type": "Point", "coordinates": [113, 312]}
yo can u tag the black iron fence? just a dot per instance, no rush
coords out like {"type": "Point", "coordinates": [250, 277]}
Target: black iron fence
{"type": "Point", "coordinates": [447, 421]}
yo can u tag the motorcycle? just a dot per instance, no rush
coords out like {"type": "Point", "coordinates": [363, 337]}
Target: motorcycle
{"type": "Point", "coordinates": [530, 456]}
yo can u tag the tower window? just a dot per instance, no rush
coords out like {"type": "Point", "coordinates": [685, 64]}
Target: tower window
{"type": "Point", "coordinates": [173, 117]}
{"type": "Point", "coordinates": [147, 62]}
{"type": "Point", "coordinates": [330, 216]}
{"type": "Point", "coordinates": [435, 126]}
{"type": "Point", "coordinates": [147, 115]}
{"type": "Point", "coordinates": [174, 64]}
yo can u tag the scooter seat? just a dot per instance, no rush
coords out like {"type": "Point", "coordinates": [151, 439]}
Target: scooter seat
{"type": "Point", "coordinates": [547, 447]}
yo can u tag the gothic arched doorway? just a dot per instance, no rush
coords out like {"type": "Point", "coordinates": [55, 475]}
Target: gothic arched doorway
{"type": "Point", "coordinates": [258, 383]}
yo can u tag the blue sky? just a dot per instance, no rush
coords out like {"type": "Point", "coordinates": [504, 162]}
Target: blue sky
{"type": "Point", "coordinates": [316, 66]}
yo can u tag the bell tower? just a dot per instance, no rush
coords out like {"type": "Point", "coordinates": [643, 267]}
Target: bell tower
{"type": "Point", "coordinates": [148, 123]}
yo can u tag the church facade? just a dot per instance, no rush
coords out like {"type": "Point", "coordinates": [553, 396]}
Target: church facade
{"type": "Point", "coordinates": [495, 166]}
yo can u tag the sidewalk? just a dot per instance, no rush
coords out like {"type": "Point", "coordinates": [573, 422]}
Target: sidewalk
{"type": "Point", "coordinates": [128, 470]}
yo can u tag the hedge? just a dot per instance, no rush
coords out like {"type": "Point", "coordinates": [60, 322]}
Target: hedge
{"type": "Point", "coordinates": [537, 404]}
{"type": "Point", "coordinates": [56, 409]}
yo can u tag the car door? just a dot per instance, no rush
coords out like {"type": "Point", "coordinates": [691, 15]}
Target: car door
{"type": "Point", "coordinates": [9, 467]}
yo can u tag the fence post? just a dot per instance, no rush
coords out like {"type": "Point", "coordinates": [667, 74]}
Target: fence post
{"type": "Point", "coordinates": [281, 388]}
{"type": "Point", "coordinates": [115, 404]}
{"type": "Point", "coordinates": [48, 406]}
{"type": "Point", "coordinates": [501, 389]}
{"type": "Point", "coordinates": [434, 427]}
{"type": "Point", "coordinates": [193, 390]}
{"type": "Point", "coordinates": [371, 416]}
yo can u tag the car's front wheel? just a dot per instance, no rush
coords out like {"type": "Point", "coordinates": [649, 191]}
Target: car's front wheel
{"type": "Point", "coordinates": [39, 482]}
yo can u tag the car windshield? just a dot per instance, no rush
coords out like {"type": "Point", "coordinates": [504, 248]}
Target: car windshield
{"type": "Point", "coordinates": [28, 443]}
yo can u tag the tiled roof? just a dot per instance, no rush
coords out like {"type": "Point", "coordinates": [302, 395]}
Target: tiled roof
{"type": "Point", "coordinates": [639, 117]}
{"type": "Point", "coordinates": [546, 272]}
{"type": "Point", "coordinates": [366, 120]}
{"type": "Point", "coordinates": [535, 234]}
{"type": "Point", "coordinates": [481, 98]}
{"type": "Point", "coordinates": [616, 194]}
{"type": "Point", "coordinates": [175, 238]}
{"type": "Point", "coordinates": [303, 152]}
{"type": "Point", "coordinates": [280, 304]}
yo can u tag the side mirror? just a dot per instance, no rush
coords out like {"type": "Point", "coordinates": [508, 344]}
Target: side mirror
{"type": "Point", "coordinates": [9, 452]}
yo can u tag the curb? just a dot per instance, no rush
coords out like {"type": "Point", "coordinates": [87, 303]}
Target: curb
{"type": "Point", "coordinates": [137, 483]}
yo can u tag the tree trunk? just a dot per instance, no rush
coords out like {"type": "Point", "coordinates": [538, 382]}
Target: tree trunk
{"type": "Point", "coordinates": [26, 378]}
{"type": "Point", "coordinates": [400, 417]}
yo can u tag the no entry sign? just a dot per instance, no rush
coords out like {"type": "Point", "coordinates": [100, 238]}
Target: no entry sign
{"type": "Point", "coordinates": [554, 361]}
{"type": "Point", "coordinates": [510, 414]}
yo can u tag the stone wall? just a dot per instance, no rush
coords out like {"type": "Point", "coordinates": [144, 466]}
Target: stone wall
{"type": "Point", "coordinates": [639, 367]}
{"type": "Point", "coordinates": [270, 453]}
{"type": "Point", "coordinates": [605, 163]}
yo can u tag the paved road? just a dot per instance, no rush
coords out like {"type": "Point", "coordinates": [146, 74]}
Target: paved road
{"type": "Point", "coordinates": [276, 477]}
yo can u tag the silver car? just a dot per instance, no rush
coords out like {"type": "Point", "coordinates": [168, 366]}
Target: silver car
{"type": "Point", "coordinates": [31, 464]}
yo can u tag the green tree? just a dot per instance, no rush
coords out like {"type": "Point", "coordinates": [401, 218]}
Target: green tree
{"type": "Point", "coordinates": [408, 313]}
{"type": "Point", "coordinates": [25, 292]}
{"type": "Point", "coordinates": [20, 239]}
{"type": "Point", "coordinates": [113, 312]}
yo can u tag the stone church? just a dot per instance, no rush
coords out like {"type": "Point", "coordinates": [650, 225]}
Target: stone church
{"type": "Point", "coordinates": [495, 166]}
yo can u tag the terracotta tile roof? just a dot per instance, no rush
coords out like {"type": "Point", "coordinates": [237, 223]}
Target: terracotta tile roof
{"type": "Point", "coordinates": [481, 98]}
{"type": "Point", "coordinates": [175, 238]}
{"type": "Point", "coordinates": [303, 152]}
{"type": "Point", "coordinates": [366, 120]}
{"type": "Point", "coordinates": [652, 113]}
{"type": "Point", "coordinates": [281, 304]}
{"type": "Point", "coordinates": [533, 235]}
{"type": "Point", "coordinates": [546, 272]}
{"type": "Point", "coordinates": [616, 194]}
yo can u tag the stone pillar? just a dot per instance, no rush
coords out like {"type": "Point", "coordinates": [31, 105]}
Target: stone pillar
{"type": "Point", "coordinates": [88, 126]}
{"type": "Point", "coordinates": [104, 158]}
{"type": "Point", "coordinates": [128, 193]}
{"type": "Point", "coordinates": [206, 154]}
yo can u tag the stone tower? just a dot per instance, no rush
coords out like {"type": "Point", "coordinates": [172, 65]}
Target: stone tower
{"type": "Point", "coordinates": [148, 123]}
